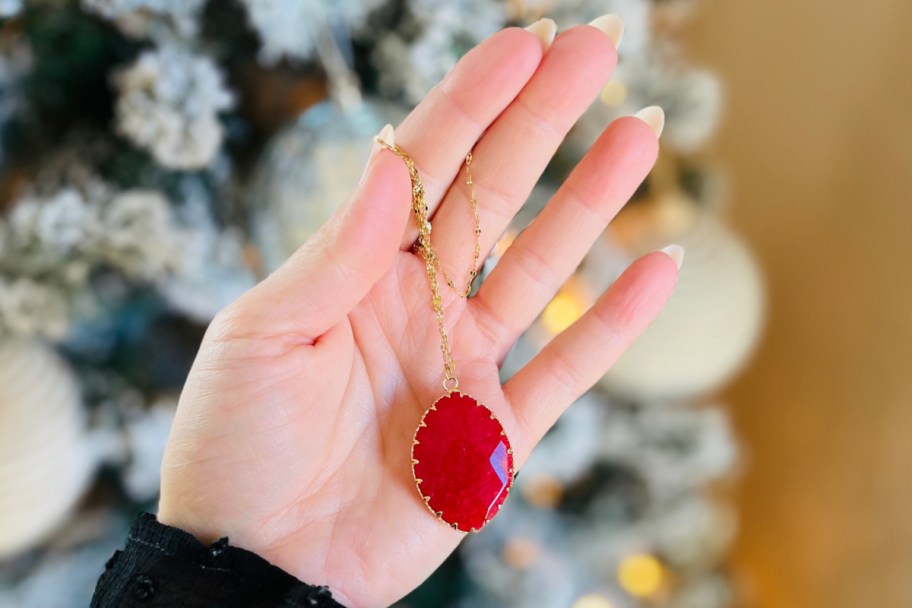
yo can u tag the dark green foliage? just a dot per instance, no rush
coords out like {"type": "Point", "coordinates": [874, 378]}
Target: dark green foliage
{"type": "Point", "coordinates": [73, 55]}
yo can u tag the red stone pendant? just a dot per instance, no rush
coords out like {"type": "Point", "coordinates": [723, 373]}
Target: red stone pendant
{"type": "Point", "coordinates": [462, 462]}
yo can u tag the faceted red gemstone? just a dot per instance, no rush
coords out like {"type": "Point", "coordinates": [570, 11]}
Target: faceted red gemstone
{"type": "Point", "coordinates": [462, 462]}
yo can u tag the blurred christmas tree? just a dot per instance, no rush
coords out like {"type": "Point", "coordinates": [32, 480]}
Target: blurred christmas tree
{"type": "Point", "coordinates": [154, 155]}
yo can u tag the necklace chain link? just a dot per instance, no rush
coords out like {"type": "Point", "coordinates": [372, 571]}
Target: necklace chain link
{"type": "Point", "coordinates": [432, 263]}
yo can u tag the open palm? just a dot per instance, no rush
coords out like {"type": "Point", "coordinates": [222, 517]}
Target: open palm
{"type": "Point", "coordinates": [294, 429]}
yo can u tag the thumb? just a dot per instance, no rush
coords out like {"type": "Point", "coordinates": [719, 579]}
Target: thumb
{"type": "Point", "coordinates": [336, 268]}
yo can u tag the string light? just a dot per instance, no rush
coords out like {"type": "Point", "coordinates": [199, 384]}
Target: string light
{"type": "Point", "coordinates": [641, 575]}
{"type": "Point", "coordinates": [593, 600]}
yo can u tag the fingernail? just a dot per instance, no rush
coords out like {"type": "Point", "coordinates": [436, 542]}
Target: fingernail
{"type": "Point", "coordinates": [676, 253]}
{"type": "Point", "coordinates": [385, 134]}
{"type": "Point", "coordinates": [611, 25]}
{"type": "Point", "coordinates": [654, 116]}
{"type": "Point", "coordinates": [544, 30]}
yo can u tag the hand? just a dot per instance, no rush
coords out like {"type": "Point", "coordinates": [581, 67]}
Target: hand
{"type": "Point", "coordinates": [293, 432]}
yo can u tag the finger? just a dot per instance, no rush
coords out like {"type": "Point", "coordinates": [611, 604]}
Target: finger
{"type": "Point", "coordinates": [324, 279]}
{"type": "Point", "coordinates": [548, 251]}
{"type": "Point", "coordinates": [576, 358]}
{"type": "Point", "coordinates": [442, 129]}
{"type": "Point", "coordinates": [455, 113]}
{"type": "Point", "coordinates": [515, 150]}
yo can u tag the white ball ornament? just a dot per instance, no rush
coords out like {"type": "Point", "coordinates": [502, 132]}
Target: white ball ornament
{"type": "Point", "coordinates": [308, 170]}
{"type": "Point", "coordinates": [46, 460]}
{"type": "Point", "coordinates": [709, 326]}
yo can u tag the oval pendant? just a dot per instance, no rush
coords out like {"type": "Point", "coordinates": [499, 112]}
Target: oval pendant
{"type": "Point", "coordinates": [462, 462]}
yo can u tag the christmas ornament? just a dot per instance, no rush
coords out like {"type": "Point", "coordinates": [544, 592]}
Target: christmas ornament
{"type": "Point", "coordinates": [708, 327]}
{"type": "Point", "coordinates": [46, 459]}
{"type": "Point", "coordinates": [308, 170]}
{"type": "Point", "coordinates": [462, 460]}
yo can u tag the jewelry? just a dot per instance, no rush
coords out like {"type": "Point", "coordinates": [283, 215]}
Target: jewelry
{"type": "Point", "coordinates": [462, 461]}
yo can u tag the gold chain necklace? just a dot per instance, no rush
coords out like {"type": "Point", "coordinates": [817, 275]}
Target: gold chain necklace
{"type": "Point", "coordinates": [432, 263]}
{"type": "Point", "coordinates": [462, 461]}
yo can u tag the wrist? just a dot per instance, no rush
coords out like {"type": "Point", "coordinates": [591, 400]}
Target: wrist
{"type": "Point", "coordinates": [184, 519]}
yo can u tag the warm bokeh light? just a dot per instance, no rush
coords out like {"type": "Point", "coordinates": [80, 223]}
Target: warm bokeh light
{"type": "Point", "coordinates": [593, 600]}
{"type": "Point", "coordinates": [564, 309]}
{"type": "Point", "coordinates": [614, 93]}
{"type": "Point", "coordinates": [543, 491]}
{"type": "Point", "coordinates": [521, 553]}
{"type": "Point", "coordinates": [504, 243]}
{"type": "Point", "coordinates": [641, 575]}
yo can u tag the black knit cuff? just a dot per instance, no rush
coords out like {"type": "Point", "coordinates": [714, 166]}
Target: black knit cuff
{"type": "Point", "coordinates": [165, 566]}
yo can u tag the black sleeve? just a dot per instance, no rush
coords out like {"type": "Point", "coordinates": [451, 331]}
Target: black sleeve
{"type": "Point", "coordinates": [165, 566]}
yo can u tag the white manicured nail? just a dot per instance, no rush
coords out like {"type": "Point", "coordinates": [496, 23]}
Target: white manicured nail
{"type": "Point", "coordinates": [676, 253]}
{"type": "Point", "coordinates": [611, 25]}
{"type": "Point", "coordinates": [385, 134]}
{"type": "Point", "coordinates": [654, 116]}
{"type": "Point", "coordinates": [544, 30]}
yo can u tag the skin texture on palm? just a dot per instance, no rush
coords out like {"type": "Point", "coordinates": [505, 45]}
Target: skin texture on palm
{"type": "Point", "coordinates": [294, 429]}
